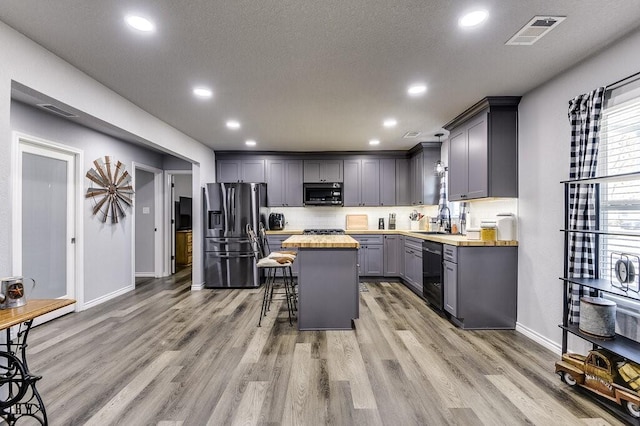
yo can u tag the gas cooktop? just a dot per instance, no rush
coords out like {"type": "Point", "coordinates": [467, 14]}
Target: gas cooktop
{"type": "Point", "coordinates": [323, 231]}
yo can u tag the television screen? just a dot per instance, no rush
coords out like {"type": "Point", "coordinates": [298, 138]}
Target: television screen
{"type": "Point", "coordinates": [183, 213]}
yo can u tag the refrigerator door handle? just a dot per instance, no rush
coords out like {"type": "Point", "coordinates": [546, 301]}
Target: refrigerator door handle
{"type": "Point", "coordinates": [226, 256]}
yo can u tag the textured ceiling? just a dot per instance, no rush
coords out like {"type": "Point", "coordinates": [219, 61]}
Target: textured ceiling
{"type": "Point", "coordinates": [315, 75]}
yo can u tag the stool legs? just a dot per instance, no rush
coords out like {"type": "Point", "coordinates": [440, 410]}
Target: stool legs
{"type": "Point", "coordinates": [269, 289]}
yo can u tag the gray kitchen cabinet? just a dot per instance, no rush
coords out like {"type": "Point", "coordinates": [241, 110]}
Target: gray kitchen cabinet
{"type": "Point", "coordinates": [480, 286]}
{"type": "Point", "coordinates": [370, 255]}
{"type": "Point", "coordinates": [388, 182]}
{"type": "Point", "coordinates": [284, 183]}
{"type": "Point", "coordinates": [450, 280]}
{"type": "Point", "coordinates": [401, 242]}
{"type": "Point", "coordinates": [361, 182]}
{"type": "Point", "coordinates": [403, 185]}
{"type": "Point", "coordinates": [275, 244]}
{"type": "Point", "coordinates": [323, 171]}
{"type": "Point", "coordinates": [483, 150]}
{"type": "Point", "coordinates": [240, 170]}
{"type": "Point", "coordinates": [413, 264]}
{"type": "Point", "coordinates": [424, 184]}
{"type": "Point", "coordinates": [392, 258]}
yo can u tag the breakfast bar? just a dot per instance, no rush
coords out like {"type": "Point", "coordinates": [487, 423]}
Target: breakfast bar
{"type": "Point", "coordinates": [327, 281]}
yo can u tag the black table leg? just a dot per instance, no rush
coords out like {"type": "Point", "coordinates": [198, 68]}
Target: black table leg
{"type": "Point", "coordinates": [18, 394]}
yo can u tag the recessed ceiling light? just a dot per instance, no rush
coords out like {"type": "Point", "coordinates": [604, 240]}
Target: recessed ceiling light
{"type": "Point", "coordinates": [233, 124]}
{"type": "Point", "coordinates": [139, 23]}
{"type": "Point", "coordinates": [250, 143]}
{"type": "Point", "coordinates": [374, 142]}
{"type": "Point", "coordinates": [474, 18]}
{"type": "Point", "coordinates": [390, 122]}
{"type": "Point", "coordinates": [417, 89]}
{"type": "Point", "coordinates": [202, 92]}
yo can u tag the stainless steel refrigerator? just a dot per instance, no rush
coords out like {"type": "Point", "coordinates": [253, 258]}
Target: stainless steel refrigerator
{"type": "Point", "coordinates": [228, 254]}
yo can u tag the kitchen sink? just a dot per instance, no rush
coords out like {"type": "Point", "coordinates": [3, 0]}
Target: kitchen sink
{"type": "Point", "coordinates": [430, 232]}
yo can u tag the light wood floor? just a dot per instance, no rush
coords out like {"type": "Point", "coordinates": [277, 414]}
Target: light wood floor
{"type": "Point", "coordinates": [163, 355]}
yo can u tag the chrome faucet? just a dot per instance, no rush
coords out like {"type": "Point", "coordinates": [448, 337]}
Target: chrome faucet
{"type": "Point", "coordinates": [447, 221]}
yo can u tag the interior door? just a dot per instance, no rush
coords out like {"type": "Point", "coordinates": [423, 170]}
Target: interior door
{"type": "Point", "coordinates": [47, 188]}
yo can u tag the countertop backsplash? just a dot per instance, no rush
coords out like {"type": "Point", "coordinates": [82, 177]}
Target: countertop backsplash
{"type": "Point", "coordinates": [336, 217]}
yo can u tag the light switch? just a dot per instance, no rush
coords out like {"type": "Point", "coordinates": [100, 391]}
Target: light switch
{"type": "Point", "coordinates": [146, 210]}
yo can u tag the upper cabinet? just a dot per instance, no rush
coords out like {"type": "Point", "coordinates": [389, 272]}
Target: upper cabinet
{"type": "Point", "coordinates": [423, 183]}
{"type": "Point", "coordinates": [240, 170]}
{"type": "Point", "coordinates": [323, 171]}
{"type": "Point", "coordinates": [388, 182]}
{"type": "Point", "coordinates": [402, 183]}
{"type": "Point", "coordinates": [284, 183]}
{"type": "Point", "coordinates": [483, 150]}
{"type": "Point", "coordinates": [362, 182]}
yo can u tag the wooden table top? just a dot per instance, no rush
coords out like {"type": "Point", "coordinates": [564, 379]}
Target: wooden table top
{"type": "Point", "coordinates": [32, 309]}
{"type": "Point", "coordinates": [320, 241]}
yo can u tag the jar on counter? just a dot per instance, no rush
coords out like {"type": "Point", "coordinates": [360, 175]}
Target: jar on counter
{"type": "Point", "coordinates": [488, 231]}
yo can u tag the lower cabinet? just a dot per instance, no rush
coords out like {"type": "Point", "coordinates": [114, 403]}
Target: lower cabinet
{"type": "Point", "coordinates": [413, 264]}
{"type": "Point", "coordinates": [392, 257]}
{"type": "Point", "coordinates": [480, 286]}
{"type": "Point", "coordinates": [184, 247]}
{"type": "Point", "coordinates": [370, 255]}
{"type": "Point", "coordinates": [275, 244]}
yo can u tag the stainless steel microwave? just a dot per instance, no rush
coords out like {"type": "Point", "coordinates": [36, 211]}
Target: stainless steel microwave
{"type": "Point", "coordinates": [323, 194]}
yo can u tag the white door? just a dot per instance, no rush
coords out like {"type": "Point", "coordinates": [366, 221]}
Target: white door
{"type": "Point", "coordinates": [46, 201]}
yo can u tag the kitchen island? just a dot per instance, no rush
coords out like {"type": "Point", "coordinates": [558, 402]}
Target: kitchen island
{"type": "Point", "coordinates": [328, 294]}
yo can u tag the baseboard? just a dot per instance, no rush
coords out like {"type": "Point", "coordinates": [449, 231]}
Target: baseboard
{"type": "Point", "coordinates": [107, 297]}
{"type": "Point", "coordinates": [539, 338]}
{"type": "Point", "coordinates": [145, 275]}
{"type": "Point", "coordinates": [197, 287]}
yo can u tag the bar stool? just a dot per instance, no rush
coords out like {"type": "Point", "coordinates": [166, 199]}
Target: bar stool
{"type": "Point", "coordinates": [287, 254]}
{"type": "Point", "coordinates": [271, 265]}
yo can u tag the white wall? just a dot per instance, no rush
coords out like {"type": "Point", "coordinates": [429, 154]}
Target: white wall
{"type": "Point", "coordinates": [544, 142]}
{"type": "Point", "coordinates": [107, 246]}
{"type": "Point", "coordinates": [29, 64]}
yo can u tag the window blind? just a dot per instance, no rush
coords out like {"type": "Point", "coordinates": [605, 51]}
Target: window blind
{"type": "Point", "coordinates": [619, 153]}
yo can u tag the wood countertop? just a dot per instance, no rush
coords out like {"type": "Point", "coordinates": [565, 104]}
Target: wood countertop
{"type": "Point", "coordinates": [32, 309]}
{"type": "Point", "coordinates": [320, 241]}
{"type": "Point", "coordinates": [454, 240]}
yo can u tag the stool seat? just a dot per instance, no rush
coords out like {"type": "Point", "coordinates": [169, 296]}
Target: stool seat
{"type": "Point", "coordinates": [273, 262]}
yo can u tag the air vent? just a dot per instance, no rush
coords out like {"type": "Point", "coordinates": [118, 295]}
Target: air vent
{"type": "Point", "coordinates": [57, 110]}
{"type": "Point", "coordinates": [411, 135]}
{"type": "Point", "coordinates": [534, 30]}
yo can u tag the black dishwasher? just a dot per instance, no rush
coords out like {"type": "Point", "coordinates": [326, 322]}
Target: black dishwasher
{"type": "Point", "coordinates": [432, 274]}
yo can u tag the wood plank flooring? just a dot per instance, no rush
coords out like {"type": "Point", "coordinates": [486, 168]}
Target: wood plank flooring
{"type": "Point", "coordinates": [163, 355]}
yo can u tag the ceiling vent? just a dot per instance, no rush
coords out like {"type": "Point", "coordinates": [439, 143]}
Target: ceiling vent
{"type": "Point", "coordinates": [534, 30]}
{"type": "Point", "coordinates": [57, 110]}
{"type": "Point", "coordinates": [411, 135]}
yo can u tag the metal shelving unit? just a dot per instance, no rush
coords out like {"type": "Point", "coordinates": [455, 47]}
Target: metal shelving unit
{"type": "Point", "coordinates": [620, 345]}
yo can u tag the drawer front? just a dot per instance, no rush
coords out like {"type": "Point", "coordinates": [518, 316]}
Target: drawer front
{"type": "Point", "coordinates": [413, 243]}
{"type": "Point", "coordinates": [450, 253]}
{"type": "Point", "coordinates": [368, 239]}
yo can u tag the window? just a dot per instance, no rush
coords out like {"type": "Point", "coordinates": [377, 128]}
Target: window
{"type": "Point", "coordinates": [619, 153]}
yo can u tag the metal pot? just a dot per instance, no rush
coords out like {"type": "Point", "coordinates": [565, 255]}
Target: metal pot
{"type": "Point", "coordinates": [12, 294]}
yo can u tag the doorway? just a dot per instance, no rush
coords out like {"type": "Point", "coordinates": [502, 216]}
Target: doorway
{"type": "Point", "coordinates": [147, 212]}
{"type": "Point", "coordinates": [47, 221]}
{"type": "Point", "coordinates": [180, 224]}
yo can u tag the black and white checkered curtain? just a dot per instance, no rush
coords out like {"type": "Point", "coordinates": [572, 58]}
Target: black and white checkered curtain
{"type": "Point", "coordinates": [584, 115]}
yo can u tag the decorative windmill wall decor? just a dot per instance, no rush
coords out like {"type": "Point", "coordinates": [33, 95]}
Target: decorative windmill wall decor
{"type": "Point", "coordinates": [113, 192]}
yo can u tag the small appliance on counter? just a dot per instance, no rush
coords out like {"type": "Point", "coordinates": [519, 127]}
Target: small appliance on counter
{"type": "Point", "coordinates": [392, 221]}
{"type": "Point", "coordinates": [381, 223]}
{"type": "Point", "coordinates": [505, 223]}
{"type": "Point", "coordinates": [276, 221]}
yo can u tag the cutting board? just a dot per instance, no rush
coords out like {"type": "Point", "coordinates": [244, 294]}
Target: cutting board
{"type": "Point", "coordinates": [357, 222]}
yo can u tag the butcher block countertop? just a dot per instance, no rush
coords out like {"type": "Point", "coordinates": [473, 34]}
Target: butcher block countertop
{"type": "Point", "coordinates": [454, 240]}
{"type": "Point", "coordinates": [320, 241]}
